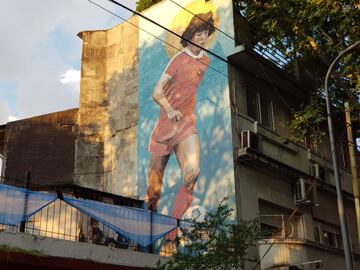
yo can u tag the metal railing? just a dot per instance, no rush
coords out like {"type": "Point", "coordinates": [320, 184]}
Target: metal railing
{"type": "Point", "coordinates": [60, 220]}
{"type": "Point", "coordinates": [271, 53]}
{"type": "Point", "coordinates": [279, 226]}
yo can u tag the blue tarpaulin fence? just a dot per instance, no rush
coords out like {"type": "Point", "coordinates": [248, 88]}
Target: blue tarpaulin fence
{"type": "Point", "coordinates": [18, 204]}
{"type": "Point", "coordinates": [141, 226]}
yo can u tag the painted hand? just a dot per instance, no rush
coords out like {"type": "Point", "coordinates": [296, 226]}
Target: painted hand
{"type": "Point", "coordinates": [174, 115]}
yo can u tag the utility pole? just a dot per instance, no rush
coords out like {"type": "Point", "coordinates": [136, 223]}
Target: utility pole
{"type": "Point", "coordinates": [354, 175]}
{"type": "Point", "coordinates": [340, 202]}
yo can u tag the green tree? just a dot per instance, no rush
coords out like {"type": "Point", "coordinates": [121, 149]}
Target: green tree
{"type": "Point", "coordinates": [215, 243]}
{"type": "Point", "coordinates": [144, 4]}
{"type": "Point", "coordinates": [311, 33]}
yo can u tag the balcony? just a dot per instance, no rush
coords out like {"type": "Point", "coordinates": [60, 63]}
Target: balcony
{"type": "Point", "coordinates": [284, 243]}
{"type": "Point", "coordinates": [41, 230]}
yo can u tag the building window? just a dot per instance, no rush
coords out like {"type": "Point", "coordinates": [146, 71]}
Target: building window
{"type": "Point", "coordinates": [343, 155]}
{"type": "Point", "coordinates": [329, 238]}
{"type": "Point", "coordinates": [317, 234]}
{"type": "Point", "coordinates": [339, 241]}
{"type": "Point", "coordinates": [67, 127]}
{"type": "Point", "coordinates": [269, 231]}
{"type": "Point", "coordinates": [260, 108]}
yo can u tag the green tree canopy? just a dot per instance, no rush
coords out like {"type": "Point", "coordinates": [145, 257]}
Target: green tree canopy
{"type": "Point", "coordinates": [144, 4]}
{"type": "Point", "coordinates": [215, 243]}
{"type": "Point", "coordinates": [311, 33]}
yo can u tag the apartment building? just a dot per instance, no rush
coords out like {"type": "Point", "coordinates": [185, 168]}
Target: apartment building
{"type": "Point", "coordinates": [242, 99]}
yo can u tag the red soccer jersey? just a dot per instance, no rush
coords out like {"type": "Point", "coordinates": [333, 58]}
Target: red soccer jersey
{"type": "Point", "coordinates": [185, 71]}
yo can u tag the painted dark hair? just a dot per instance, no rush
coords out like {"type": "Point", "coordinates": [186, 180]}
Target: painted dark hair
{"type": "Point", "coordinates": [198, 23]}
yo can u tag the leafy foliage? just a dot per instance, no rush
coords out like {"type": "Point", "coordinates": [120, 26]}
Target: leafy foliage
{"type": "Point", "coordinates": [306, 123]}
{"type": "Point", "coordinates": [141, 5]}
{"type": "Point", "coordinates": [314, 30]}
{"type": "Point", "coordinates": [311, 33]}
{"type": "Point", "coordinates": [215, 243]}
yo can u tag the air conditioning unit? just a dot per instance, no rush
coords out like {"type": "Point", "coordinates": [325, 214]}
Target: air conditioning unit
{"type": "Point", "coordinates": [317, 171]}
{"type": "Point", "coordinates": [299, 192]}
{"type": "Point", "coordinates": [249, 139]}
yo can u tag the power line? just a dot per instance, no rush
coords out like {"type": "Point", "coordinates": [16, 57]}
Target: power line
{"type": "Point", "coordinates": [210, 52]}
{"type": "Point", "coordinates": [237, 41]}
{"type": "Point", "coordinates": [216, 55]}
{"type": "Point", "coordinates": [167, 29]}
{"type": "Point", "coordinates": [221, 31]}
{"type": "Point", "coordinates": [221, 58]}
{"type": "Point", "coordinates": [296, 208]}
{"type": "Point", "coordinates": [167, 43]}
{"type": "Point", "coordinates": [220, 72]}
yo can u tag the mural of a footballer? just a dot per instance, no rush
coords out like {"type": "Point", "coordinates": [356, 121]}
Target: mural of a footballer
{"type": "Point", "coordinates": [175, 131]}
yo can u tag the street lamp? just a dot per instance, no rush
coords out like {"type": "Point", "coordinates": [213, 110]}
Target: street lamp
{"type": "Point", "coordinates": [343, 222]}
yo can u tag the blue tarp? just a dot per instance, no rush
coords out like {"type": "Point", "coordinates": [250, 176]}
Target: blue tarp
{"type": "Point", "coordinates": [12, 203]}
{"type": "Point", "coordinates": [141, 226]}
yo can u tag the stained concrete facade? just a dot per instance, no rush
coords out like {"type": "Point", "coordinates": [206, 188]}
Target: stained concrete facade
{"type": "Point", "coordinates": [106, 145]}
{"type": "Point", "coordinates": [267, 171]}
{"type": "Point", "coordinates": [43, 146]}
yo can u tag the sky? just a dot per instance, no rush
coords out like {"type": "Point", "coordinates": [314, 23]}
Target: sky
{"type": "Point", "coordinates": [40, 52]}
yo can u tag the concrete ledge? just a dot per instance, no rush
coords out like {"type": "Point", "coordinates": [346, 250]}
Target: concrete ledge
{"type": "Point", "coordinates": [76, 250]}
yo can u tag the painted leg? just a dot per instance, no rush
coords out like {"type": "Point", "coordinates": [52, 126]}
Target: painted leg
{"type": "Point", "coordinates": [188, 155]}
{"type": "Point", "coordinates": [155, 180]}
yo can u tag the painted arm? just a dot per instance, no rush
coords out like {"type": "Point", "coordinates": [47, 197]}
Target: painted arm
{"type": "Point", "coordinates": [159, 98]}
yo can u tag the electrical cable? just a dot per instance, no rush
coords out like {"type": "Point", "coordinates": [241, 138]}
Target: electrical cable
{"type": "Point", "coordinates": [210, 52]}
{"type": "Point", "coordinates": [152, 21]}
{"type": "Point", "coordinates": [141, 15]}
{"type": "Point", "coordinates": [295, 210]}
{"type": "Point", "coordinates": [168, 30]}
{"type": "Point", "coordinates": [189, 11]}
{"type": "Point", "coordinates": [234, 39]}
{"type": "Point", "coordinates": [221, 58]}
{"type": "Point", "coordinates": [165, 42]}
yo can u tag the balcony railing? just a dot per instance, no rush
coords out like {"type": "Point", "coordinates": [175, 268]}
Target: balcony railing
{"type": "Point", "coordinates": [281, 226]}
{"type": "Point", "coordinates": [60, 219]}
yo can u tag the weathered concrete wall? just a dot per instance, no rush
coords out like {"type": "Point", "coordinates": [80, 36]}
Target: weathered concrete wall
{"type": "Point", "coordinates": [105, 156]}
{"type": "Point", "coordinates": [42, 145]}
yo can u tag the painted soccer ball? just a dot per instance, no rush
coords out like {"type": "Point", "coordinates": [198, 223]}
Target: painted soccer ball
{"type": "Point", "coordinates": [196, 213]}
